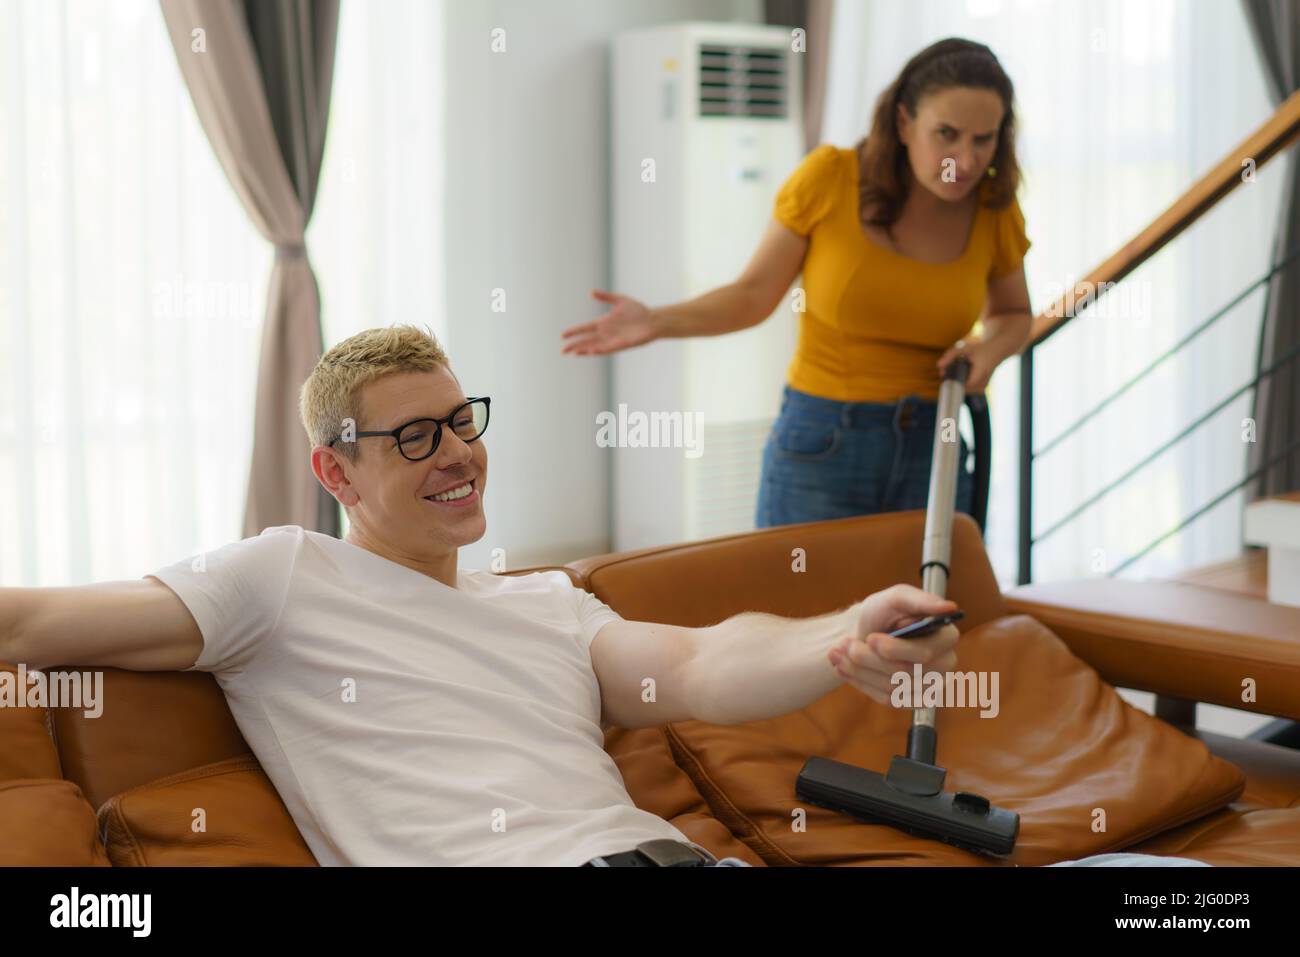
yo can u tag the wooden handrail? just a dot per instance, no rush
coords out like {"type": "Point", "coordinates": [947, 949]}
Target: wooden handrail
{"type": "Point", "coordinates": [1273, 136]}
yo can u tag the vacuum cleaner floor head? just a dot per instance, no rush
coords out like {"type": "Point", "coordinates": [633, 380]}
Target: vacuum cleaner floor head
{"type": "Point", "coordinates": [911, 798]}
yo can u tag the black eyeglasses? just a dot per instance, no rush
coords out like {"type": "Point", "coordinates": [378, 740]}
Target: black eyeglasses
{"type": "Point", "coordinates": [419, 438]}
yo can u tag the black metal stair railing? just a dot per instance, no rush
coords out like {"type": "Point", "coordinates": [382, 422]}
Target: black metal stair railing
{"type": "Point", "coordinates": [1028, 454]}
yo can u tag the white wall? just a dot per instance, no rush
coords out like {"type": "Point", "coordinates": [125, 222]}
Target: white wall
{"type": "Point", "coordinates": [527, 211]}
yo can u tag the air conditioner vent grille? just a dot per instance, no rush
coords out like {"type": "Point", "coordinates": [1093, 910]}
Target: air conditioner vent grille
{"type": "Point", "coordinates": [743, 81]}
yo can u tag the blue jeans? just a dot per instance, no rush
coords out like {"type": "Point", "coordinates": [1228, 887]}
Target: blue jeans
{"type": "Point", "coordinates": [829, 459]}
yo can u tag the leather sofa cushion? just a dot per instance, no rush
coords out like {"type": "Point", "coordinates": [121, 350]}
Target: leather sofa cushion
{"type": "Point", "coordinates": [154, 723]}
{"type": "Point", "coordinates": [657, 784]}
{"type": "Point", "coordinates": [47, 823]}
{"type": "Point", "coordinates": [1236, 836]}
{"type": "Point", "coordinates": [1259, 829]}
{"type": "Point", "coordinates": [1063, 746]}
{"type": "Point", "coordinates": [243, 821]}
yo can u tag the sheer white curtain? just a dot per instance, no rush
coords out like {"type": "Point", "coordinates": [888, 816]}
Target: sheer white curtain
{"type": "Point", "coordinates": [132, 285]}
{"type": "Point", "coordinates": [376, 239]}
{"type": "Point", "coordinates": [1121, 106]}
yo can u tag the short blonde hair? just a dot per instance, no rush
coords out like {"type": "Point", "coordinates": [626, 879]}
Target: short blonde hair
{"type": "Point", "coordinates": [332, 393]}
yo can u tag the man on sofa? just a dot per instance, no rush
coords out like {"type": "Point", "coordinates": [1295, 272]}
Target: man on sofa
{"type": "Point", "coordinates": [409, 712]}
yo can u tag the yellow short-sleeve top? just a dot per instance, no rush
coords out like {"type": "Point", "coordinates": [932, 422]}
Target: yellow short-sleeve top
{"type": "Point", "coordinates": [875, 322]}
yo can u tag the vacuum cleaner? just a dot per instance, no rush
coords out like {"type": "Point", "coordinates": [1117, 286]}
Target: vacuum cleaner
{"type": "Point", "coordinates": [910, 796]}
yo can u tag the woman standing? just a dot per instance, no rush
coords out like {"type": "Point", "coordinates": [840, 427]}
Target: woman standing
{"type": "Point", "coordinates": [902, 241]}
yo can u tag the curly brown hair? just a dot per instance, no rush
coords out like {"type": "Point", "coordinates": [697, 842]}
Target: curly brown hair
{"type": "Point", "coordinates": [882, 158]}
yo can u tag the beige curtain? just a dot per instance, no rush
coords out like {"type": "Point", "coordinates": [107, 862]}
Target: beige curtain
{"type": "Point", "coordinates": [814, 17]}
{"type": "Point", "coordinates": [259, 73]}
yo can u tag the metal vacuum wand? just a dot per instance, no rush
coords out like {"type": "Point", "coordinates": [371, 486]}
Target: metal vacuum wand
{"type": "Point", "coordinates": [937, 545]}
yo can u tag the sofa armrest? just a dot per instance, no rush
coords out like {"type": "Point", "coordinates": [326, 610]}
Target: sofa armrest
{"type": "Point", "coordinates": [1176, 639]}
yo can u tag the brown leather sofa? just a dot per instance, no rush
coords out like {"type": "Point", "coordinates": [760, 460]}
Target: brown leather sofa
{"type": "Point", "coordinates": [163, 776]}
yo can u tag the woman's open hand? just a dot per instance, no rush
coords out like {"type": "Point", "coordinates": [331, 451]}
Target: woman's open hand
{"type": "Point", "coordinates": [628, 324]}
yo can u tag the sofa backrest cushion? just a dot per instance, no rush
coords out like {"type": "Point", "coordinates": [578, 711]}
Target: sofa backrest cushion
{"type": "Point", "coordinates": [153, 723]}
{"type": "Point", "coordinates": [842, 561]}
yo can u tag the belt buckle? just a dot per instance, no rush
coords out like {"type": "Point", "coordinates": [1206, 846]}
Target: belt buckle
{"type": "Point", "coordinates": [666, 852]}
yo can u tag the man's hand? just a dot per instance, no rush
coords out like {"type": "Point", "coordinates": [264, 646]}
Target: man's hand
{"type": "Point", "coordinates": [868, 659]}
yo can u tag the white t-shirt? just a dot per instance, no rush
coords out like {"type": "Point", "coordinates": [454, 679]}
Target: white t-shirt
{"type": "Point", "coordinates": [406, 722]}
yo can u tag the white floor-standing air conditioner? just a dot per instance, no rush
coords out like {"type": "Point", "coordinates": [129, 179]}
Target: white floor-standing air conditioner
{"type": "Point", "coordinates": [706, 125]}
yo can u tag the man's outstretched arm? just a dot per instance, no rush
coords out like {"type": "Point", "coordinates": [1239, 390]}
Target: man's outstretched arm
{"type": "Point", "coordinates": [754, 665]}
{"type": "Point", "coordinates": [140, 625]}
